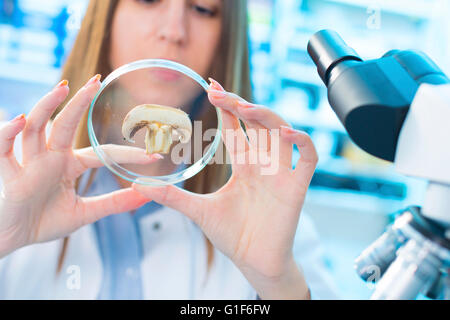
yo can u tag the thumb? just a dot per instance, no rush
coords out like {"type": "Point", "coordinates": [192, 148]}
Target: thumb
{"type": "Point", "coordinates": [190, 204]}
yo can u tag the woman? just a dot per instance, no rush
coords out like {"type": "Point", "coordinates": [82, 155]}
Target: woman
{"type": "Point", "coordinates": [223, 238]}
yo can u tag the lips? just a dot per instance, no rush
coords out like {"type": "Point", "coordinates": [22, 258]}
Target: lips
{"type": "Point", "coordinates": [165, 74]}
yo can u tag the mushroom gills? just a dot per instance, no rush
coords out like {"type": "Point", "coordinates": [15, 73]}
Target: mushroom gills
{"type": "Point", "coordinates": [158, 139]}
{"type": "Point", "coordinates": [164, 126]}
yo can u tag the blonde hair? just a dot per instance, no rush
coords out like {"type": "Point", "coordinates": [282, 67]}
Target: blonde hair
{"type": "Point", "coordinates": [89, 56]}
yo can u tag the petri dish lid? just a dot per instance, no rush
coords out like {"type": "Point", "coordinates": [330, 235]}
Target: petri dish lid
{"type": "Point", "coordinates": [159, 106]}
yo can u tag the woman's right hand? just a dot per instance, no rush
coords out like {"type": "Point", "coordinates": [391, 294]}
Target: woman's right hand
{"type": "Point", "coordinates": [39, 202]}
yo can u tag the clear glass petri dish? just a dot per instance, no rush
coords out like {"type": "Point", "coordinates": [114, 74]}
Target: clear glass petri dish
{"type": "Point", "coordinates": [163, 84]}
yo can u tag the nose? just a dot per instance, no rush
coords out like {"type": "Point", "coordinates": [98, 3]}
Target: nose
{"type": "Point", "coordinates": [174, 25]}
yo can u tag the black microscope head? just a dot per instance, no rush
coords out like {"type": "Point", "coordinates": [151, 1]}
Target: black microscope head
{"type": "Point", "coordinates": [371, 98]}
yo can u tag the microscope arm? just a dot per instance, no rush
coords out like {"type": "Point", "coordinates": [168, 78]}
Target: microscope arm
{"type": "Point", "coordinates": [423, 148]}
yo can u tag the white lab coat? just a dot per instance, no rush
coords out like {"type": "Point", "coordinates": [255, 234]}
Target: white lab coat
{"type": "Point", "coordinates": [174, 265]}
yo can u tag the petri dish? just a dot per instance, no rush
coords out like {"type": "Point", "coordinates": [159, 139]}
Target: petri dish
{"type": "Point", "coordinates": [138, 103]}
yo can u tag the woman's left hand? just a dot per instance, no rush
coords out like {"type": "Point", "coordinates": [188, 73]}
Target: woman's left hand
{"type": "Point", "coordinates": [253, 218]}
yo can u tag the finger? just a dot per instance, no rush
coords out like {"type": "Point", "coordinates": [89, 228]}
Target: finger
{"type": "Point", "coordinates": [258, 118]}
{"type": "Point", "coordinates": [33, 138]}
{"type": "Point", "coordinates": [188, 203]}
{"type": "Point", "coordinates": [265, 120]}
{"type": "Point", "coordinates": [232, 133]}
{"type": "Point", "coordinates": [9, 167]}
{"type": "Point", "coordinates": [306, 165]}
{"type": "Point", "coordinates": [234, 104]}
{"type": "Point", "coordinates": [260, 114]}
{"type": "Point", "coordinates": [223, 99]}
{"type": "Point", "coordinates": [258, 135]}
{"type": "Point", "coordinates": [65, 124]}
{"type": "Point", "coordinates": [228, 103]}
{"type": "Point", "coordinates": [92, 209]}
{"type": "Point", "coordinates": [215, 85]}
{"type": "Point", "coordinates": [88, 159]}
{"type": "Point", "coordinates": [231, 104]}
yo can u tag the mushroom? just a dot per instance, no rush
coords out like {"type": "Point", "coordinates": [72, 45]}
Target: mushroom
{"type": "Point", "coordinates": [165, 125]}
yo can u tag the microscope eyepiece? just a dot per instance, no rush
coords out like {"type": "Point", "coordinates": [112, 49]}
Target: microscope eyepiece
{"type": "Point", "coordinates": [327, 49]}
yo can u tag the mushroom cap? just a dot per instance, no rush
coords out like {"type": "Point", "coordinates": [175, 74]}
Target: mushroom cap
{"type": "Point", "coordinates": [147, 114]}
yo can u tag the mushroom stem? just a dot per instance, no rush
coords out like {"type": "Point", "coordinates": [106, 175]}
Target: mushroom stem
{"type": "Point", "coordinates": [148, 140]}
{"type": "Point", "coordinates": [158, 139]}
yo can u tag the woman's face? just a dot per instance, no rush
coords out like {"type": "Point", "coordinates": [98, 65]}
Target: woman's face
{"type": "Point", "coordinates": [185, 31]}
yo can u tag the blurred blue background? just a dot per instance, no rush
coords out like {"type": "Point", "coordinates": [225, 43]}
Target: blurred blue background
{"type": "Point", "coordinates": [353, 195]}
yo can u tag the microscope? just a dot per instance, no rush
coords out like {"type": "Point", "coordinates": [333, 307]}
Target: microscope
{"type": "Point", "coordinates": [397, 108]}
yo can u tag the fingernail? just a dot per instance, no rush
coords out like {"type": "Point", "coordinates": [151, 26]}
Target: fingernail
{"type": "Point", "coordinates": [288, 130]}
{"type": "Point", "coordinates": [157, 156]}
{"type": "Point", "coordinates": [245, 105]}
{"type": "Point", "coordinates": [217, 94]}
{"type": "Point", "coordinates": [18, 118]}
{"type": "Point", "coordinates": [63, 83]}
{"type": "Point", "coordinates": [95, 79]}
{"type": "Point", "coordinates": [216, 84]}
